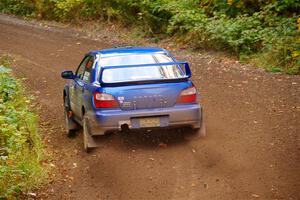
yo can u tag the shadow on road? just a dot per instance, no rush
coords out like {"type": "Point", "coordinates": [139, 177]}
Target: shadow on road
{"type": "Point", "coordinates": [146, 140]}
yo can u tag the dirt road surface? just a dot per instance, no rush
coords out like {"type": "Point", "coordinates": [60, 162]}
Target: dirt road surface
{"type": "Point", "coordinates": [253, 121]}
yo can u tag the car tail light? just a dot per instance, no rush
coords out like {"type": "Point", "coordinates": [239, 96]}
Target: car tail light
{"type": "Point", "coordinates": [188, 95]}
{"type": "Point", "coordinates": [103, 100]}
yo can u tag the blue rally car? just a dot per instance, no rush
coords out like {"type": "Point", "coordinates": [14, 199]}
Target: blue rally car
{"type": "Point", "coordinates": [130, 88]}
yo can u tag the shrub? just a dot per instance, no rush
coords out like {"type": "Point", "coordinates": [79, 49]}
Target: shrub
{"type": "Point", "coordinates": [249, 28]}
{"type": "Point", "coordinates": [23, 7]}
{"type": "Point", "coordinates": [21, 149]}
{"type": "Point", "coordinates": [263, 35]}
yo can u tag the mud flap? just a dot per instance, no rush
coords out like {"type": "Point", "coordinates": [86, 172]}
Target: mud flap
{"type": "Point", "coordinates": [88, 140]}
{"type": "Point", "coordinates": [198, 131]}
{"type": "Point", "coordinates": [202, 130]}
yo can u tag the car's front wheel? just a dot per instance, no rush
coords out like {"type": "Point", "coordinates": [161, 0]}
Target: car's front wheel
{"type": "Point", "coordinates": [70, 125]}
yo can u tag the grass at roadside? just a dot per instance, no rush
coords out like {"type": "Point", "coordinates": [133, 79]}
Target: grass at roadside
{"type": "Point", "coordinates": [21, 149]}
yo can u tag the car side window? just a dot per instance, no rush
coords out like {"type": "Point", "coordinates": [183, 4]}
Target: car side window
{"type": "Point", "coordinates": [88, 68]}
{"type": "Point", "coordinates": [80, 69]}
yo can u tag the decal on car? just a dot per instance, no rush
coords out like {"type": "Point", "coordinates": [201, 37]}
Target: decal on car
{"type": "Point", "coordinates": [121, 99]}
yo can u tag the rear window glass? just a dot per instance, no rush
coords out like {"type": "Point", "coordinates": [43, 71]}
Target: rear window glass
{"type": "Point", "coordinates": [135, 59]}
{"type": "Point", "coordinates": [129, 74]}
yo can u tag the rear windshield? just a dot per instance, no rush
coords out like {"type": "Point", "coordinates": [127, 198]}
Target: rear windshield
{"type": "Point", "coordinates": [139, 73]}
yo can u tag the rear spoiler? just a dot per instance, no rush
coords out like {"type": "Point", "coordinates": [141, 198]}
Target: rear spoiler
{"type": "Point", "coordinates": [186, 70]}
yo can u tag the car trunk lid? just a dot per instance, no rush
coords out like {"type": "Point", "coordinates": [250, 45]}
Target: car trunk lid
{"type": "Point", "coordinates": [147, 96]}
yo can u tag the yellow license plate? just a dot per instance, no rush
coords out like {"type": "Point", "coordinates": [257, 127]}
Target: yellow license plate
{"type": "Point", "coordinates": [150, 122]}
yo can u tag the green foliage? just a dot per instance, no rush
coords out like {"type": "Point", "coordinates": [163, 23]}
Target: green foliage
{"type": "Point", "coordinates": [259, 29]}
{"type": "Point", "coordinates": [18, 7]}
{"type": "Point", "coordinates": [146, 13]}
{"type": "Point", "coordinates": [21, 149]}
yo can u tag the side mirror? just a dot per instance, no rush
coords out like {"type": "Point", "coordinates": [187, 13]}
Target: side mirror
{"type": "Point", "coordinates": [67, 75]}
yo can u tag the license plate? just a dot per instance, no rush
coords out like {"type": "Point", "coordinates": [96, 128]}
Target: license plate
{"type": "Point", "coordinates": [150, 122]}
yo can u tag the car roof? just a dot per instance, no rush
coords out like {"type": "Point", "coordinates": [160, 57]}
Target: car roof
{"type": "Point", "coordinates": [128, 50]}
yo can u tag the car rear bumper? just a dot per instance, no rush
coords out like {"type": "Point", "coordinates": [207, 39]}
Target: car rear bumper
{"type": "Point", "coordinates": [103, 121]}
